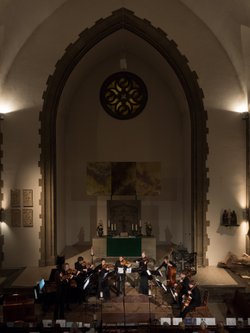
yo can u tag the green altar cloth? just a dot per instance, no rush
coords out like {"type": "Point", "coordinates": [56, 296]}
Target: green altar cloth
{"type": "Point", "coordinates": [124, 246]}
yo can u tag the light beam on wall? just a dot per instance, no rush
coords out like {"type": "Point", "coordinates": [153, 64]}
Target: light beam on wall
{"type": "Point", "coordinates": [6, 107]}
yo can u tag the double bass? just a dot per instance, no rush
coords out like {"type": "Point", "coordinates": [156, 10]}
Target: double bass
{"type": "Point", "coordinates": [171, 276]}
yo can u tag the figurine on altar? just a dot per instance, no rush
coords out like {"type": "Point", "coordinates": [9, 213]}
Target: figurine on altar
{"type": "Point", "coordinates": [148, 227]}
{"type": "Point", "coordinates": [99, 229]}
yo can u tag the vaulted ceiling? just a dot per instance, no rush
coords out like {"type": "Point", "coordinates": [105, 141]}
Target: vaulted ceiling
{"type": "Point", "coordinates": [44, 28]}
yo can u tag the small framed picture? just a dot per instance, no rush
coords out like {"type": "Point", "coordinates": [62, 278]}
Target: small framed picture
{"type": "Point", "coordinates": [28, 198]}
{"type": "Point", "coordinates": [27, 217]}
{"type": "Point", "coordinates": [16, 217]}
{"type": "Point", "coordinates": [15, 198]}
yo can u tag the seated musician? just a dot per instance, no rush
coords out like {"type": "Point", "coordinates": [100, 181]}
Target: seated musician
{"type": "Point", "coordinates": [63, 277]}
{"type": "Point", "coordinates": [103, 284]}
{"type": "Point", "coordinates": [191, 299]}
{"type": "Point", "coordinates": [181, 288]}
{"type": "Point", "coordinates": [121, 266]}
{"type": "Point", "coordinates": [144, 277]}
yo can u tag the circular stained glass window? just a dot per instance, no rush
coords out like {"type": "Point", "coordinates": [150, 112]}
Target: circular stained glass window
{"type": "Point", "coordinates": [123, 95]}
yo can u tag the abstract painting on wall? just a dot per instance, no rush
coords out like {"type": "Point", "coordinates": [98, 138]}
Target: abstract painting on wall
{"type": "Point", "coordinates": [98, 180]}
{"type": "Point", "coordinates": [148, 178]}
{"type": "Point", "coordinates": [123, 178]}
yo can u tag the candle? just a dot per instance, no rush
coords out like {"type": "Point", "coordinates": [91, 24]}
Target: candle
{"type": "Point", "coordinates": [101, 294]}
{"type": "Point", "coordinates": [140, 223]}
{"type": "Point", "coordinates": [136, 227]}
{"type": "Point", "coordinates": [115, 226]}
{"type": "Point", "coordinates": [132, 226]}
{"type": "Point", "coordinates": [149, 292]}
{"type": "Point", "coordinates": [92, 251]}
{"type": "Point", "coordinates": [112, 227]}
{"type": "Point", "coordinates": [109, 223]}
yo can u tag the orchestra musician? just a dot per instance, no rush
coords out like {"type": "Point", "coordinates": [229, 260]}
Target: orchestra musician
{"type": "Point", "coordinates": [103, 285]}
{"type": "Point", "coordinates": [144, 277]}
{"type": "Point", "coordinates": [63, 277]}
{"type": "Point", "coordinates": [191, 299]}
{"type": "Point", "coordinates": [181, 288]}
{"type": "Point", "coordinates": [121, 266]}
{"type": "Point", "coordinates": [83, 269]}
{"type": "Point", "coordinates": [170, 271]}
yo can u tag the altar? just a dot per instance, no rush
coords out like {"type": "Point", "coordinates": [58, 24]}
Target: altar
{"type": "Point", "coordinates": [107, 246]}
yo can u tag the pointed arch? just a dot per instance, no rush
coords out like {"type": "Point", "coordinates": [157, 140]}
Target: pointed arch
{"type": "Point", "coordinates": [123, 19]}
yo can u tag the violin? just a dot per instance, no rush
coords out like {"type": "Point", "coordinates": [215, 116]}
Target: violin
{"type": "Point", "coordinates": [69, 274]}
{"type": "Point", "coordinates": [108, 267]}
{"type": "Point", "coordinates": [125, 263]}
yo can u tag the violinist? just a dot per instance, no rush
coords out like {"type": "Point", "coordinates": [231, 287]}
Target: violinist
{"type": "Point", "coordinates": [121, 266]}
{"type": "Point", "coordinates": [191, 299]}
{"type": "Point", "coordinates": [103, 286]}
{"type": "Point", "coordinates": [62, 280]}
{"type": "Point", "coordinates": [144, 277]}
{"type": "Point", "coordinates": [170, 271]}
{"type": "Point", "coordinates": [81, 269]}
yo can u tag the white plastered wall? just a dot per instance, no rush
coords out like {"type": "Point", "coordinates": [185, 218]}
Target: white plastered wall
{"type": "Point", "coordinates": [26, 81]}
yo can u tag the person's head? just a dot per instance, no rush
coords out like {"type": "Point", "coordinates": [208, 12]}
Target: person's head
{"type": "Point", "coordinates": [143, 254]}
{"type": "Point", "coordinates": [191, 284]}
{"type": "Point", "coordinates": [66, 266]}
{"type": "Point", "coordinates": [183, 274]}
{"type": "Point", "coordinates": [80, 259]}
{"type": "Point", "coordinates": [181, 325]}
{"type": "Point", "coordinates": [166, 259]}
{"type": "Point", "coordinates": [103, 261]}
{"type": "Point", "coordinates": [220, 324]}
{"type": "Point", "coordinates": [203, 326]}
{"type": "Point", "coordinates": [121, 258]}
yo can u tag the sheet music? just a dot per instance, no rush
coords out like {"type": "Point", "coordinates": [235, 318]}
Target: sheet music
{"type": "Point", "coordinates": [231, 321]}
{"type": "Point", "coordinates": [121, 270]}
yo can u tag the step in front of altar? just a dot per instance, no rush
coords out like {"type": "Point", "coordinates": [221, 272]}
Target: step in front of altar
{"type": "Point", "coordinates": [133, 308]}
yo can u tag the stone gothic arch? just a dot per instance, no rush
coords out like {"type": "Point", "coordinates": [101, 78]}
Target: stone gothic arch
{"type": "Point", "coordinates": [123, 19]}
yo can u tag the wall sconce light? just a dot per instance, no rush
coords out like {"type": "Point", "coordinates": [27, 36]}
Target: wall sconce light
{"type": "Point", "coordinates": [2, 215]}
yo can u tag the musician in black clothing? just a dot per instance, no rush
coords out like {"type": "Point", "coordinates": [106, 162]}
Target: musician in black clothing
{"type": "Point", "coordinates": [167, 264]}
{"type": "Point", "coordinates": [121, 266]}
{"type": "Point", "coordinates": [191, 299]}
{"type": "Point", "coordinates": [181, 287]}
{"type": "Point", "coordinates": [62, 280]}
{"type": "Point", "coordinates": [81, 269]}
{"type": "Point", "coordinates": [144, 277]}
{"type": "Point", "coordinates": [103, 286]}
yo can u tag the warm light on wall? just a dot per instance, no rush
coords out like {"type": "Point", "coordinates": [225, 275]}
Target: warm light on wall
{"type": "Point", "coordinates": [240, 107]}
{"type": "Point", "coordinates": [244, 228]}
{"type": "Point", "coordinates": [6, 107]}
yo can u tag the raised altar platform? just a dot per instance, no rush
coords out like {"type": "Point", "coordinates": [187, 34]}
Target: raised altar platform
{"type": "Point", "coordinates": [107, 246]}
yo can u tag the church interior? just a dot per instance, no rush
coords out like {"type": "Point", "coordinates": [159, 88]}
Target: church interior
{"type": "Point", "coordinates": [134, 165]}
